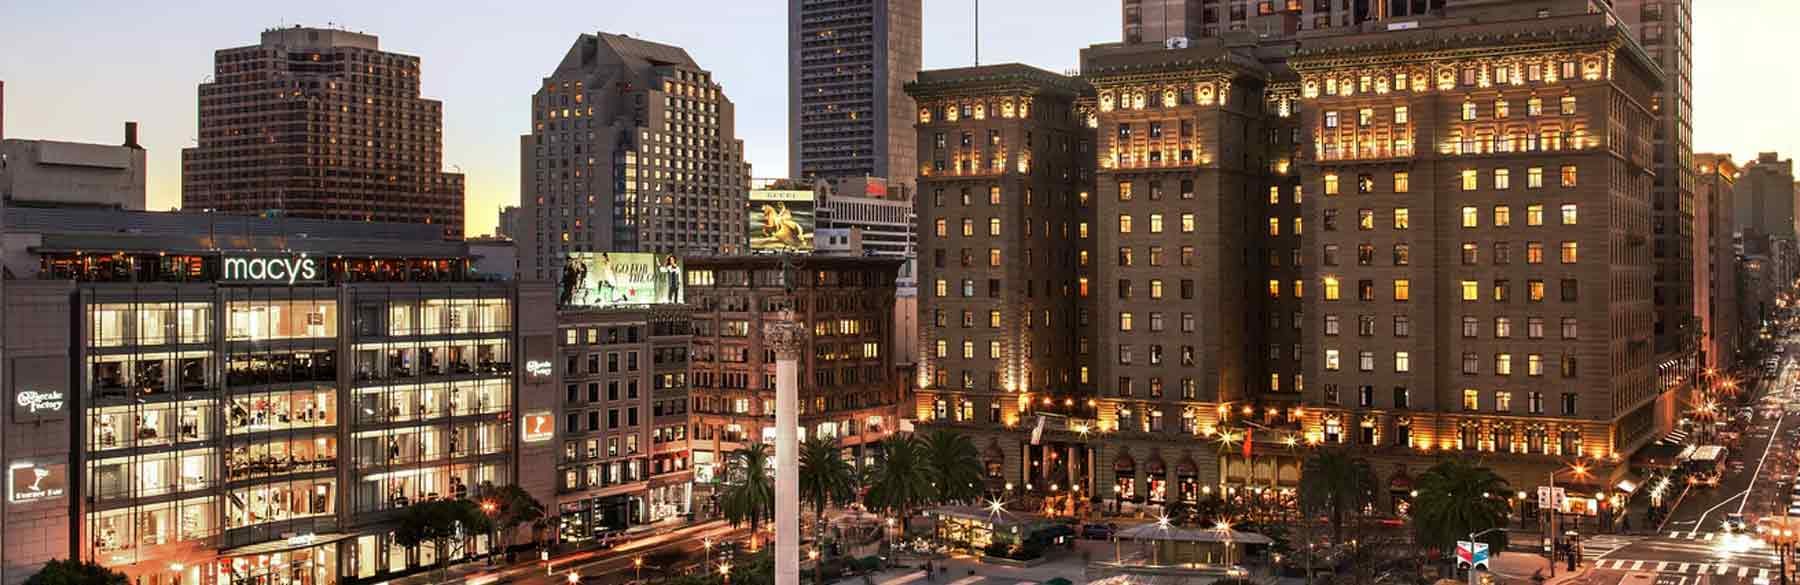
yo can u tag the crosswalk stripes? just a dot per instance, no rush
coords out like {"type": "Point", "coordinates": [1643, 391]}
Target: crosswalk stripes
{"type": "Point", "coordinates": [969, 580]}
{"type": "Point", "coordinates": [1679, 567]}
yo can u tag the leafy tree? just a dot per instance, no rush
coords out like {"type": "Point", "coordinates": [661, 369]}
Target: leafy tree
{"type": "Point", "coordinates": [903, 478]}
{"type": "Point", "coordinates": [513, 507]}
{"type": "Point", "coordinates": [1338, 483]}
{"type": "Point", "coordinates": [825, 479]}
{"type": "Point", "coordinates": [73, 572]}
{"type": "Point", "coordinates": [443, 523]}
{"type": "Point", "coordinates": [752, 498]}
{"type": "Point", "coordinates": [1457, 498]}
{"type": "Point", "coordinates": [955, 466]}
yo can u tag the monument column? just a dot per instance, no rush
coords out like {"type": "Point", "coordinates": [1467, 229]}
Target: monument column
{"type": "Point", "coordinates": [788, 339]}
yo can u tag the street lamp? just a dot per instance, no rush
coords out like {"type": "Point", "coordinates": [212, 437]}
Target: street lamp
{"type": "Point", "coordinates": [1577, 469]}
{"type": "Point", "coordinates": [725, 571]}
{"type": "Point", "coordinates": [574, 578]}
{"type": "Point", "coordinates": [1472, 541]}
{"type": "Point", "coordinates": [706, 543]}
{"type": "Point", "coordinates": [637, 564]}
{"type": "Point", "coordinates": [491, 509]}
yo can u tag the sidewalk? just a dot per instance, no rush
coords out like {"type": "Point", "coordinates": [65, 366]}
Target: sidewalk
{"type": "Point", "coordinates": [528, 562]}
{"type": "Point", "coordinates": [1515, 567]}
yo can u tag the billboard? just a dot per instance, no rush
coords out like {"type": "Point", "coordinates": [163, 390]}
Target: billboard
{"type": "Point", "coordinates": [781, 220]}
{"type": "Point", "coordinates": [539, 426]}
{"type": "Point", "coordinates": [604, 279]}
{"type": "Point", "coordinates": [32, 481]}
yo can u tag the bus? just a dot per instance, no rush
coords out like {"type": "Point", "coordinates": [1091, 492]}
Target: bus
{"type": "Point", "coordinates": [1706, 464]}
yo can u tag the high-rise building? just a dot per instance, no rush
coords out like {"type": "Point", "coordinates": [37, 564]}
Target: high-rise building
{"type": "Point", "coordinates": [1405, 240]}
{"type": "Point", "coordinates": [633, 147]}
{"type": "Point", "coordinates": [1715, 272]}
{"type": "Point", "coordinates": [1765, 197]}
{"type": "Point", "coordinates": [1665, 29]}
{"type": "Point", "coordinates": [1158, 21]}
{"type": "Point", "coordinates": [508, 224]}
{"type": "Point", "coordinates": [320, 123]}
{"type": "Point", "coordinates": [848, 64]}
{"type": "Point", "coordinates": [226, 400]}
{"type": "Point", "coordinates": [1002, 193]}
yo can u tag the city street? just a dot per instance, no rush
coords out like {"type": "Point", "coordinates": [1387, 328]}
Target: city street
{"type": "Point", "coordinates": [1693, 545]}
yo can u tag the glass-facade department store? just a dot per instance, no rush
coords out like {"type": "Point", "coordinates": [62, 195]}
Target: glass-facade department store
{"type": "Point", "coordinates": [202, 399]}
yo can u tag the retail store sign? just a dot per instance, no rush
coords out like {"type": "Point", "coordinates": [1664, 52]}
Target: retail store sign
{"type": "Point", "coordinates": [288, 269]}
{"type": "Point", "coordinates": [31, 405]}
{"type": "Point", "coordinates": [538, 368]}
{"type": "Point", "coordinates": [32, 482]}
{"type": "Point", "coordinates": [539, 427]}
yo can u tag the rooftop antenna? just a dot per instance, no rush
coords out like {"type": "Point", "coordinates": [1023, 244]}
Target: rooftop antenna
{"type": "Point", "coordinates": [977, 33]}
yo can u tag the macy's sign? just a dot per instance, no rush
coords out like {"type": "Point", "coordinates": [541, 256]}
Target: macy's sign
{"type": "Point", "coordinates": [273, 269]}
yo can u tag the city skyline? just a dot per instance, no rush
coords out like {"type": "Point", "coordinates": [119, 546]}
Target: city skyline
{"type": "Point", "coordinates": [479, 79]}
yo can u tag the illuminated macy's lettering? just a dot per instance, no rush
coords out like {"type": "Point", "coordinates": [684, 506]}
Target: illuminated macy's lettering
{"type": "Point", "coordinates": [272, 269]}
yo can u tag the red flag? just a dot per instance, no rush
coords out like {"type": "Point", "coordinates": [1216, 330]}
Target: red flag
{"type": "Point", "coordinates": [1246, 442]}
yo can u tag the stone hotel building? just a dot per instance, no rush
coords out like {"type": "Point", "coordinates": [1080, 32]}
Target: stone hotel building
{"type": "Point", "coordinates": [1191, 265]}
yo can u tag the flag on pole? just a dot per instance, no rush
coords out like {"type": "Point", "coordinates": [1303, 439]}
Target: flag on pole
{"type": "Point", "coordinates": [1247, 442]}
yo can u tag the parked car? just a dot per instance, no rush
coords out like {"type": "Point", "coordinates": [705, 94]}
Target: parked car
{"type": "Point", "coordinates": [1099, 531]}
{"type": "Point", "coordinates": [1734, 523]}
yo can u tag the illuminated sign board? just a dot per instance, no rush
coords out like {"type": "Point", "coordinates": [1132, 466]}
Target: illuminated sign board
{"type": "Point", "coordinates": [539, 427]}
{"type": "Point", "coordinates": [538, 368]}
{"type": "Point", "coordinates": [32, 482]}
{"type": "Point", "coordinates": [30, 405]}
{"type": "Point", "coordinates": [781, 220]}
{"type": "Point", "coordinates": [284, 269]}
{"type": "Point", "coordinates": [606, 279]}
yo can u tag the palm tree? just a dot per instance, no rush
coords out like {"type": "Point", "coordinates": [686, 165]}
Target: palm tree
{"type": "Point", "coordinates": [751, 498]}
{"type": "Point", "coordinates": [513, 507]}
{"type": "Point", "coordinates": [903, 478]}
{"type": "Point", "coordinates": [955, 465]}
{"type": "Point", "coordinates": [825, 479]}
{"type": "Point", "coordinates": [1337, 482]}
{"type": "Point", "coordinates": [1457, 498]}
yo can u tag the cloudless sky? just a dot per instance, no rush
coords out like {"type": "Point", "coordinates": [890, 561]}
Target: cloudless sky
{"type": "Point", "coordinates": [76, 69]}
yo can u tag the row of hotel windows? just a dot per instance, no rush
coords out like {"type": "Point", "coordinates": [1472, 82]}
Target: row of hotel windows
{"type": "Point", "coordinates": [1471, 290]}
{"type": "Point", "coordinates": [1469, 437]}
{"type": "Point", "coordinates": [1501, 108]}
{"type": "Point", "coordinates": [1473, 76]}
{"type": "Point", "coordinates": [1471, 363]}
{"type": "Point", "coordinates": [123, 324]}
{"type": "Point", "coordinates": [613, 420]}
{"type": "Point", "coordinates": [1468, 179]}
{"type": "Point", "coordinates": [1500, 400]}
{"type": "Point", "coordinates": [1568, 214]}
{"type": "Point", "coordinates": [1471, 327]}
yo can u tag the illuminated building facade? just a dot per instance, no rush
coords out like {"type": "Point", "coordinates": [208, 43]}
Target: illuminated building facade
{"type": "Point", "coordinates": [1421, 241]}
{"type": "Point", "coordinates": [624, 450]}
{"type": "Point", "coordinates": [1004, 196]}
{"type": "Point", "coordinates": [216, 401]}
{"type": "Point", "coordinates": [633, 148]}
{"type": "Point", "coordinates": [320, 123]}
{"type": "Point", "coordinates": [1715, 273]}
{"type": "Point", "coordinates": [1157, 21]}
{"type": "Point", "coordinates": [850, 388]}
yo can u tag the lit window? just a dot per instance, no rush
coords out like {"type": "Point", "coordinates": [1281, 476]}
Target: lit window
{"type": "Point", "coordinates": [1568, 105]}
{"type": "Point", "coordinates": [1570, 252]}
{"type": "Point", "coordinates": [1187, 223]}
{"type": "Point", "coordinates": [1274, 194]}
{"type": "Point", "coordinates": [1332, 361]}
{"type": "Point", "coordinates": [1400, 115]}
{"type": "Point", "coordinates": [1502, 178]}
{"type": "Point", "coordinates": [1331, 119]}
{"type": "Point", "coordinates": [1570, 176]}
{"type": "Point", "coordinates": [942, 228]}
{"type": "Point", "coordinates": [993, 226]}
{"type": "Point", "coordinates": [1534, 252]}
{"type": "Point", "coordinates": [1402, 290]}
{"type": "Point", "coordinates": [1468, 110]}
{"type": "Point", "coordinates": [1402, 182]}
{"type": "Point", "coordinates": [1274, 289]}
{"type": "Point", "coordinates": [1534, 106]}
{"type": "Point", "coordinates": [1156, 223]}
{"type": "Point", "coordinates": [1331, 288]}
{"type": "Point", "coordinates": [1471, 290]}
{"type": "Point", "coordinates": [1124, 224]}
{"type": "Point", "coordinates": [1568, 214]}
{"type": "Point", "coordinates": [1402, 362]}
{"type": "Point", "coordinates": [1471, 399]}
{"type": "Point", "coordinates": [1125, 321]}
{"type": "Point", "coordinates": [1534, 215]}
{"type": "Point", "coordinates": [1402, 218]}
{"type": "Point", "coordinates": [1500, 108]}
{"type": "Point", "coordinates": [1274, 226]}
{"type": "Point", "coordinates": [1503, 364]}
{"type": "Point", "coordinates": [1331, 184]}
{"type": "Point", "coordinates": [1534, 291]}
{"type": "Point", "coordinates": [1502, 216]}
{"type": "Point", "coordinates": [1471, 179]}
{"type": "Point", "coordinates": [1365, 219]}
{"type": "Point", "coordinates": [1534, 178]}
{"type": "Point", "coordinates": [1471, 216]}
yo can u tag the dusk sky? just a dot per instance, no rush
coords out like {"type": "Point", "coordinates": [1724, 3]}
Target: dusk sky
{"type": "Point", "coordinates": [76, 69]}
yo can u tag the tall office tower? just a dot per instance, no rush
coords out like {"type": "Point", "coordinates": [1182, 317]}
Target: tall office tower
{"type": "Point", "coordinates": [848, 64]}
{"type": "Point", "coordinates": [508, 223]}
{"type": "Point", "coordinates": [1003, 192]}
{"type": "Point", "coordinates": [320, 123]}
{"type": "Point", "coordinates": [1483, 246]}
{"type": "Point", "coordinates": [1715, 273]}
{"type": "Point", "coordinates": [1157, 21]}
{"type": "Point", "coordinates": [633, 147]}
{"type": "Point", "coordinates": [1665, 29]}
